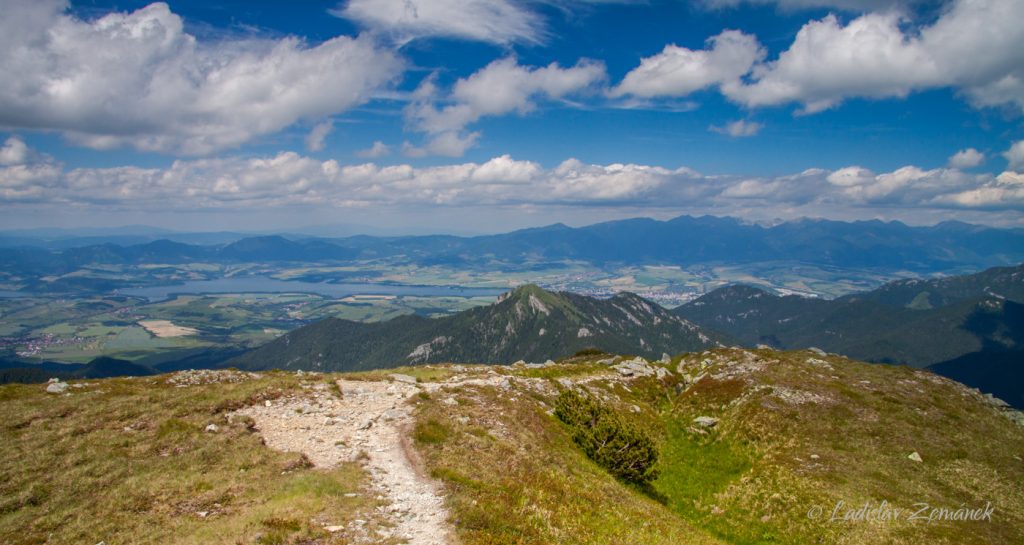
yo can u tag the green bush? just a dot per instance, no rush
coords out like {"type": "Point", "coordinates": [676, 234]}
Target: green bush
{"type": "Point", "coordinates": [590, 351]}
{"type": "Point", "coordinates": [616, 444]}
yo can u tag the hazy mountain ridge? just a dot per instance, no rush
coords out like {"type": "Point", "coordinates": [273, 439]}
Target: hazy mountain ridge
{"type": "Point", "coordinates": [528, 323]}
{"type": "Point", "coordinates": [684, 239]}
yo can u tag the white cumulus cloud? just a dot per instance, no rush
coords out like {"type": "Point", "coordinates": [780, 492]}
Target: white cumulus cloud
{"type": "Point", "coordinates": [974, 46]}
{"type": "Point", "coordinates": [500, 88]}
{"type": "Point", "coordinates": [847, 5]}
{"type": "Point", "coordinates": [966, 158]}
{"type": "Point", "coordinates": [26, 175]}
{"type": "Point", "coordinates": [495, 21]}
{"type": "Point", "coordinates": [138, 79]}
{"type": "Point", "coordinates": [316, 137]}
{"type": "Point", "coordinates": [378, 149]}
{"type": "Point", "coordinates": [828, 61]}
{"type": "Point", "coordinates": [1006, 191]}
{"type": "Point", "coordinates": [1015, 156]}
{"type": "Point", "coordinates": [678, 71]}
{"type": "Point", "coordinates": [28, 178]}
{"type": "Point", "coordinates": [14, 152]}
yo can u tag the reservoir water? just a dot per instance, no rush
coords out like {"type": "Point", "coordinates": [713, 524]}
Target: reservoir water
{"type": "Point", "coordinates": [259, 284]}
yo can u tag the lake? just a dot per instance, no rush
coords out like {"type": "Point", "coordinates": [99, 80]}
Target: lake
{"type": "Point", "coordinates": [259, 284]}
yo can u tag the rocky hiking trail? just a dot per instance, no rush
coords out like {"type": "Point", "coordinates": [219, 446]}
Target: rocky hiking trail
{"type": "Point", "coordinates": [370, 423]}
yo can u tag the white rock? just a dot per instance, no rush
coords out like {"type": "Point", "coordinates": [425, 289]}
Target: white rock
{"type": "Point", "coordinates": [56, 387]}
{"type": "Point", "coordinates": [398, 377]}
{"type": "Point", "coordinates": [914, 456]}
{"type": "Point", "coordinates": [212, 428]}
{"type": "Point", "coordinates": [706, 421]}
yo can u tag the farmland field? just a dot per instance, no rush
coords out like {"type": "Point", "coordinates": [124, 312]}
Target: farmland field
{"type": "Point", "coordinates": [81, 328]}
{"type": "Point", "coordinates": [173, 308]}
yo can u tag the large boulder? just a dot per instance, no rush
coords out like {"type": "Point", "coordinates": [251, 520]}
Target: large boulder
{"type": "Point", "coordinates": [56, 386]}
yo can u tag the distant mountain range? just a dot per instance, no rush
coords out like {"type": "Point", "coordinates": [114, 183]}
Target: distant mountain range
{"type": "Point", "coordinates": [527, 323]}
{"type": "Point", "coordinates": [970, 328]}
{"type": "Point", "coordinates": [683, 240]}
{"type": "Point", "coordinates": [15, 369]}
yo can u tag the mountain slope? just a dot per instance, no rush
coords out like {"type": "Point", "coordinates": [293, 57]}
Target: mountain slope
{"type": "Point", "coordinates": [920, 323]}
{"type": "Point", "coordinates": [998, 282]}
{"type": "Point", "coordinates": [795, 435]}
{"type": "Point", "coordinates": [998, 373]}
{"type": "Point", "coordinates": [527, 323]}
{"type": "Point", "coordinates": [27, 371]}
{"type": "Point", "coordinates": [233, 458]}
{"type": "Point", "coordinates": [964, 314]}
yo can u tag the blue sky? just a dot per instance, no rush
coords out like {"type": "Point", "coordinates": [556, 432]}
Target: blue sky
{"type": "Point", "coordinates": [476, 116]}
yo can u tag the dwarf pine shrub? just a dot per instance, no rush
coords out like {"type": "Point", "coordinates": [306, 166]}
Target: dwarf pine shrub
{"type": "Point", "coordinates": [615, 443]}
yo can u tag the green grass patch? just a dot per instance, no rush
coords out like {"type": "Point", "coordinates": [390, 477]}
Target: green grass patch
{"type": "Point", "coordinates": [526, 483]}
{"type": "Point", "coordinates": [562, 370]}
{"type": "Point", "coordinates": [694, 468]}
{"type": "Point", "coordinates": [431, 432]}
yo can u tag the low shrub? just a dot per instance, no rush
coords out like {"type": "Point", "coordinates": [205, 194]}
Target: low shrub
{"type": "Point", "coordinates": [589, 352]}
{"type": "Point", "coordinates": [614, 443]}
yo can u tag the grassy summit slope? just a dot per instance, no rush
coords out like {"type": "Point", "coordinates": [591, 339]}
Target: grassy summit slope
{"type": "Point", "coordinates": [797, 433]}
{"type": "Point", "coordinates": [129, 460]}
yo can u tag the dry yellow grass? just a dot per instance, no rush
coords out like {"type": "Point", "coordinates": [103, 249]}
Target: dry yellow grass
{"type": "Point", "coordinates": [127, 460]}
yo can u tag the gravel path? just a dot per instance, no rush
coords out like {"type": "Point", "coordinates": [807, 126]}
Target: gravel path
{"type": "Point", "coordinates": [370, 423]}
